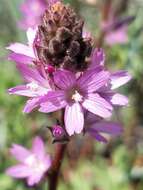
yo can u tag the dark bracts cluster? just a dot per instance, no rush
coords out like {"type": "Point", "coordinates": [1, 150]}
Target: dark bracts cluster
{"type": "Point", "coordinates": [61, 43]}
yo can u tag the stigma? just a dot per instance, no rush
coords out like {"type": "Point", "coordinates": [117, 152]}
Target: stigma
{"type": "Point", "coordinates": [77, 97]}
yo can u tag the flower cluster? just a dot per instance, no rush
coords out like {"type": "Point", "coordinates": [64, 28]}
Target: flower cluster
{"type": "Point", "coordinates": [62, 71]}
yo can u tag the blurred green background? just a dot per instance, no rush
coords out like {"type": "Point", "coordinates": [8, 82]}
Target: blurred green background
{"type": "Point", "coordinates": [117, 165]}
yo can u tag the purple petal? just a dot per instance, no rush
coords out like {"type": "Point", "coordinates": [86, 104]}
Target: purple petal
{"type": "Point", "coordinates": [31, 104]}
{"type": "Point", "coordinates": [98, 137]}
{"type": "Point", "coordinates": [64, 79]}
{"type": "Point", "coordinates": [97, 105]}
{"type": "Point", "coordinates": [53, 101]}
{"type": "Point", "coordinates": [19, 171]}
{"type": "Point", "coordinates": [38, 147]}
{"type": "Point", "coordinates": [31, 74]}
{"type": "Point", "coordinates": [74, 119]}
{"type": "Point", "coordinates": [120, 78]}
{"type": "Point", "coordinates": [119, 99]}
{"type": "Point", "coordinates": [19, 152]}
{"type": "Point", "coordinates": [34, 179]}
{"type": "Point", "coordinates": [92, 80]}
{"type": "Point", "coordinates": [119, 36]}
{"type": "Point", "coordinates": [21, 58]}
{"type": "Point", "coordinates": [47, 161]}
{"type": "Point", "coordinates": [22, 90]}
{"type": "Point", "coordinates": [91, 118]}
{"type": "Point", "coordinates": [22, 49]}
{"type": "Point", "coordinates": [106, 127]}
{"type": "Point", "coordinates": [98, 58]}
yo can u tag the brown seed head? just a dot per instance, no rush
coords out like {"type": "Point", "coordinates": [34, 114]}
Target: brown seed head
{"type": "Point", "coordinates": [60, 39]}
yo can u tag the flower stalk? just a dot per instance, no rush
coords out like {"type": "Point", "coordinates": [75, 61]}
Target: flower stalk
{"type": "Point", "coordinates": [56, 165]}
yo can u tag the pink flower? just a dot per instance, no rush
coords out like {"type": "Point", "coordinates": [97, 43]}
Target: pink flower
{"type": "Point", "coordinates": [75, 95]}
{"type": "Point", "coordinates": [119, 36]}
{"type": "Point", "coordinates": [116, 29]}
{"type": "Point", "coordinates": [91, 91]}
{"type": "Point", "coordinates": [33, 164]}
{"type": "Point", "coordinates": [97, 127]}
{"type": "Point", "coordinates": [35, 87]}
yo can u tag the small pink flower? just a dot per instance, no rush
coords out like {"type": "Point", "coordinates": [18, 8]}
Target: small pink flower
{"type": "Point", "coordinates": [33, 164]}
{"type": "Point", "coordinates": [116, 29]}
{"type": "Point", "coordinates": [119, 36]}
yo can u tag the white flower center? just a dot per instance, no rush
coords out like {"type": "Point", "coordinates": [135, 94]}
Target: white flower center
{"type": "Point", "coordinates": [77, 97]}
{"type": "Point", "coordinates": [34, 163]}
{"type": "Point", "coordinates": [33, 86]}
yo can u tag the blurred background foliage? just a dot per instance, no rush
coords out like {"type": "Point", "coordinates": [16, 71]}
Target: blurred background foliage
{"type": "Point", "coordinates": [117, 165]}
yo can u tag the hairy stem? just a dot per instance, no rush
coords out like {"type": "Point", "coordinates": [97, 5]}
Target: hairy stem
{"type": "Point", "coordinates": [55, 169]}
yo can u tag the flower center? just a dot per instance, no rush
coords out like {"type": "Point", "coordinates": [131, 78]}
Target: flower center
{"type": "Point", "coordinates": [34, 163]}
{"type": "Point", "coordinates": [33, 86]}
{"type": "Point", "coordinates": [77, 97]}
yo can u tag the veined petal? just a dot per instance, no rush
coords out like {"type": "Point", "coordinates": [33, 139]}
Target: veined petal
{"type": "Point", "coordinates": [22, 90]}
{"type": "Point", "coordinates": [18, 58]}
{"type": "Point", "coordinates": [64, 79]}
{"type": "Point", "coordinates": [93, 80]}
{"type": "Point", "coordinates": [119, 78]}
{"type": "Point", "coordinates": [38, 148]}
{"type": "Point", "coordinates": [115, 98]}
{"type": "Point", "coordinates": [19, 171]}
{"type": "Point", "coordinates": [31, 104]}
{"type": "Point", "coordinates": [111, 128]}
{"type": "Point", "coordinates": [31, 74]}
{"type": "Point", "coordinates": [91, 118]}
{"type": "Point", "coordinates": [97, 105]}
{"type": "Point", "coordinates": [53, 101]}
{"type": "Point", "coordinates": [19, 152]}
{"type": "Point", "coordinates": [30, 90]}
{"type": "Point", "coordinates": [22, 49]}
{"type": "Point", "coordinates": [119, 99]}
{"type": "Point", "coordinates": [74, 118]}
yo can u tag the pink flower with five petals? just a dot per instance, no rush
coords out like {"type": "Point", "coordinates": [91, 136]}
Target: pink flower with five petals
{"type": "Point", "coordinates": [75, 95]}
{"type": "Point", "coordinates": [33, 164]}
